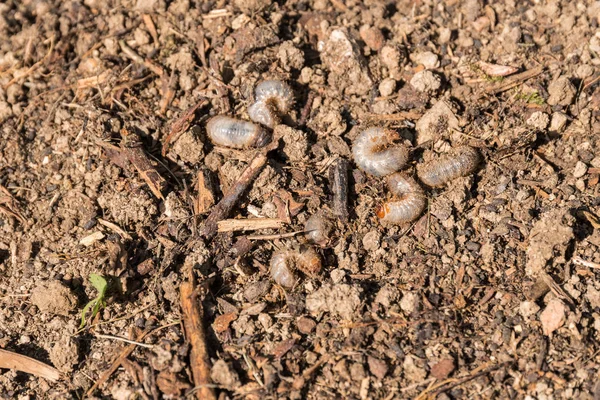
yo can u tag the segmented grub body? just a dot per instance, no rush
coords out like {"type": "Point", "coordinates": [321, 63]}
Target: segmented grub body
{"type": "Point", "coordinates": [408, 202]}
{"type": "Point", "coordinates": [272, 98]}
{"type": "Point", "coordinates": [284, 265]}
{"type": "Point", "coordinates": [235, 133]}
{"type": "Point", "coordinates": [318, 229]}
{"type": "Point", "coordinates": [376, 153]}
{"type": "Point", "coordinates": [462, 161]}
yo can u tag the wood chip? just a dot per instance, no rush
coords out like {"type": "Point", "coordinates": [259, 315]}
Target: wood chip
{"type": "Point", "coordinates": [18, 362]}
{"type": "Point", "coordinates": [92, 238]}
{"type": "Point", "coordinates": [249, 224]}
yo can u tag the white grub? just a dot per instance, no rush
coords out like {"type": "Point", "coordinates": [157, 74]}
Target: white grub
{"type": "Point", "coordinates": [376, 152]}
{"type": "Point", "coordinates": [272, 98]}
{"type": "Point", "coordinates": [408, 202]}
{"type": "Point", "coordinates": [230, 132]}
{"type": "Point", "coordinates": [284, 265]}
{"type": "Point", "coordinates": [462, 161]}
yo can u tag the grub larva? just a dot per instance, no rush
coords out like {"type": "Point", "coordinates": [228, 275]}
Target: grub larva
{"type": "Point", "coordinates": [462, 161]}
{"type": "Point", "coordinates": [318, 229]}
{"type": "Point", "coordinates": [284, 265]}
{"type": "Point", "coordinates": [408, 202]}
{"type": "Point", "coordinates": [235, 133]}
{"type": "Point", "coordinates": [272, 98]}
{"type": "Point", "coordinates": [376, 153]}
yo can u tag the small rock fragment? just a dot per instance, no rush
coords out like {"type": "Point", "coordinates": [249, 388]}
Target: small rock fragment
{"type": "Point", "coordinates": [428, 59]}
{"type": "Point", "coordinates": [562, 92]}
{"type": "Point", "coordinates": [387, 295]}
{"type": "Point", "coordinates": [339, 300]}
{"type": "Point", "coordinates": [413, 370]}
{"type": "Point", "coordinates": [377, 367]}
{"type": "Point", "coordinates": [580, 169]}
{"type": "Point", "coordinates": [256, 290]}
{"type": "Point", "coordinates": [548, 238]}
{"type": "Point", "coordinates": [372, 37]}
{"type": "Point", "coordinates": [188, 147]}
{"type": "Point", "coordinates": [53, 297]}
{"type": "Point", "coordinates": [387, 87]}
{"type": "Point", "coordinates": [558, 122]}
{"type": "Point", "coordinates": [65, 354]}
{"type": "Point", "coordinates": [371, 241]}
{"type": "Point", "coordinates": [305, 325]}
{"type": "Point", "coordinates": [426, 82]}
{"type": "Point", "coordinates": [342, 56]}
{"type": "Point", "coordinates": [295, 142]}
{"type": "Point", "coordinates": [290, 57]}
{"type": "Point", "coordinates": [392, 56]}
{"type": "Point", "coordinates": [409, 302]}
{"type": "Point", "coordinates": [538, 120]}
{"type": "Point", "coordinates": [225, 376]}
{"type": "Point", "coordinates": [443, 368]}
{"type": "Point", "coordinates": [528, 308]}
{"type": "Point", "coordinates": [437, 121]}
{"type": "Point", "coordinates": [553, 316]}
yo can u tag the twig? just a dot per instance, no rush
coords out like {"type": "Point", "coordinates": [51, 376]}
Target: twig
{"type": "Point", "coordinates": [181, 125]}
{"type": "Point", "coordinates": [338, 176]}
{"type": "Point", "coordinates": [129, 52]}
{"type": "Point", "coordinates": [306, 109]}
{"type": "Point", "coordinates": [116, 363]}
{"type": "Point", "coordinates": [249, 224]}
{"type": "Point", "coordinates": [148, 346]}
{"type": "Point", "coordinates": [273, 237]}
{"type": "Point", "coordinates": [33, 67]}
{"type": "Point", "coordinates": [514, 80]}
{"type": "Point", "coordinates": [584, 263]}
{"type": "Point", "coordinates": [556, 289]}
{"type": "Point", "coordinates": [131, 146]}
{"type": "Point", "coordinates": [192, 321]}
{"type": "Point", "coordinates": [151, 28]}
{"type": "Point", "coordinates": [233, 195]}
{"type": "Point", "coordinates": [454, 382]}
{"type": "Point", "coordinates": [10, 360]}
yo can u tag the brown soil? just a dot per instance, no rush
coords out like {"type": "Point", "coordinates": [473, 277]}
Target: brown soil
{"type": "Point", "coordinates": [105, 169]}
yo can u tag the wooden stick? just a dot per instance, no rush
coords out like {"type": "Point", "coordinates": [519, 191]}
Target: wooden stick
{"type": "Point", "coordinates": [338, 176]}
{"type": "Point", "coordinates": [22, 363]}
{"type": "Point", "coordinates": [514, 80]}
{"type": "Point", "coordinates": [192, 321]}
{"type": "Point", "coordinates": [181, 125]}
{"type": "Point", "coordinates": [205, 197]}
{"type": "Point", "coordinates": [233, 195]}
{"type": "Point", "coordinates": [273, 237]}
{"type": "Point", "coordinates": [241, 247]}
{"type": "Point", "coordinates": [249, 224]}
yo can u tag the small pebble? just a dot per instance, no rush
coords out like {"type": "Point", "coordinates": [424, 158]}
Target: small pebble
{"type": "Point", "coordinates": [580, 169]}
{"type": "Point", "coordinates": [539, 120]}
{"type": "Point", "coordinates": [558, 123]}
{"type": "Point", "coordinates": [428, 59]}
{"type": "Point", "coordinates": [387, 87]}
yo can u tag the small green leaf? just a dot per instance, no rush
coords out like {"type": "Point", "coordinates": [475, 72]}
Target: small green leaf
{"type": "Point", "coordinates": [101, 285]}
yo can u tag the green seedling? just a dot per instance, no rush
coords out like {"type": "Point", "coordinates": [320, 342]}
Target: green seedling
{"type": "Point", "coordinates": [531, 98]}
{"type": "Point", "coordinates": [101, 285]}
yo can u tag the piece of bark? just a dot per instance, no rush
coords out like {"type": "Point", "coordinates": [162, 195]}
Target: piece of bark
{"type": "Point", "coordinates": [181, 125]}
{"type": "Point", "coordinates": [136, 155]}
{"type": "Point", "coordinates": [224, 207]}
{"type": "Point", "coordinates": [338, 177]}
{"type": "Point", "coordinates": [249, 224]}
{"type": "Point", "coordinates": [10, 360]}
{"type": "Point", "coordinates": [194, 329]}
{"type": "Point", "coordinates": [205, 197]}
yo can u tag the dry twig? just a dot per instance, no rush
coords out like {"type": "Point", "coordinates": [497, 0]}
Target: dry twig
{"type": "Point", "coordinates": [192, 320]}
{"type": "Point", "coordinates": [249, 224]}
{"type": "Point", "coordinates": [29, 365]}
{"type": "Point", "coordinates": [514, 80]}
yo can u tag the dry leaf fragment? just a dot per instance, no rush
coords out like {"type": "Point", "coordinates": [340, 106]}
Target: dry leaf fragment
{"type": "Point", "coordinates": [496, 70]}
{"type": "Point", "coordinates": [29, 365]}
{"type": "Point", "coordinates": [223, 321]}
{"type": "Point", "coordinates": [593, 219]}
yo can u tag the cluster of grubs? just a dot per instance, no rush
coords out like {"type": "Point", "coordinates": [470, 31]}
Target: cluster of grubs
{"type": "Point", "coordinates": [375, 151]}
